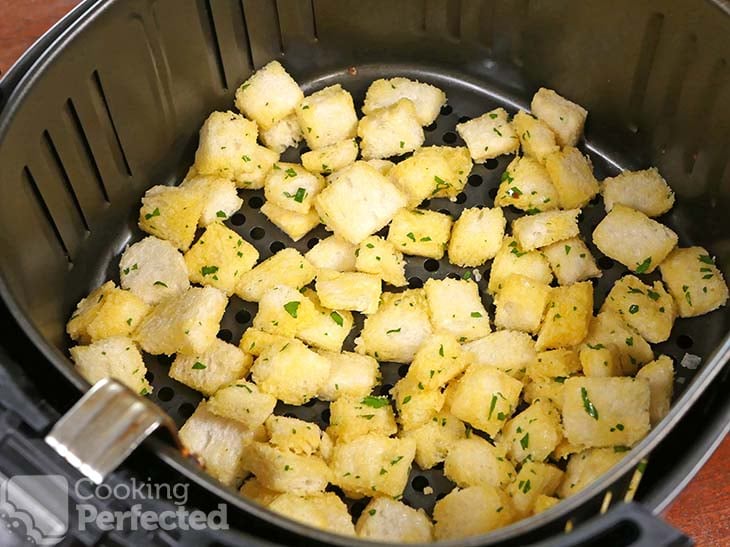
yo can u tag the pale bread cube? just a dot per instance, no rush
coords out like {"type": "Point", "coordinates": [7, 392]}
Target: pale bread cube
{"type": "Point", "coordinates": [259, 163]}
{"type": "Point", "coordinates": [543, 503]}
{"type": "Point", "coordinates": [488, 136]}
{"type": "Point", "coordinates": [571, 261]}
{"type": "Point", "coordinates": [512, 259]}
{"type": "Point", "coordinates": [508, 350]}
{"type": "Point", "coordinates": [293, 434]}
{"type": "Point", "coordinates": [326, 329]}
{"type": "Point", "coordinates": [420, 232]}
{"type": "Point", "coordinates": [527, 186]}
{"type": "Point", "coordinates": [358, 203]}
{"type": "Point", "coordinates": [220, 364]}
{"type": "Point", "coordinates": [327, 117]}
{"type": "Point", "coordinates": [572, 176]}
{"type": "Point", "coordinates": [284, 311]}
{"type": "Point", "coordinates": [584, 468]}
{"type": "Point", "coordinates": [555, 363]}
{"type": "Point", "coordinates": [456, 308]}
{"type": "Point", "coordinates": [219, 258]}
{"type": "Point", "coordinates": [153, 269]}
{"type": "Point", "coordinates": [116, 357]}
{"type": "Point", "coordinates": [355, 291]}
{"type": "Point", "coordinates": [393, 130]}
{"type": "Point", "coordinates": [325, 511]}
{"type": "Point", "coordinates": [329, 159]}
{"type": "Point", "coordinates": [381, 166]}
{"type": "Point", "coordinates": [660, 375]}
{"type": "Point", "coordinates": [333, 253]}
{"type": "Point", "coordinates": [372, 464]}
{"type": "Point", "coordinates": [255, 341]}
{"type": "Point", "coordinates": [600, 412]}
{"type": "Point", "coordinates": [537, 140]}
{"type": "Point", "coordinates": [284, 471]}
{"type": "Point", "coordinates": [292, 187]}
{"type": "Point", "coordinates": [399, 327]}
{"type": "Point", "coordinates": [294, 225]}
{"type": "Point", "coordinates": [388, 520]}
{"type": "Point", "coordinates": [171, 213]}
{"type": "Point", "coordinates": [269, 95]}
{"type": "Point", "coordinates": [227, 146]}
{"type": "Point", "coordinates": [564, 117]}
{"type": "Point", "coordinates": [353, 417]}
{"type": "Point", "coordinates": [644, 191]}
{"type": "Point", "coordinates": [476, 236]}
{"type": "Point", "coordinates": [608, 329]}
{"type": "Point", "coordinates": [380, 257]}
{"type": "Point", "coordinates": [244, 402]}
{"type": "Point", "coordinates": [282, 135]}
{"type": "Point", "coordinates": [461, 165]}
{"type": "Point", "coordinates": [292, 373]}
{"type": "Point", "coordinates": [600, 360]}
{"type": "Point", "coordinates": [543, 229]}
{"type": "Point", "coordinates": [533, 434]}
{"type": "Point", "coordinates": [520, 304]}
{"type": "Point", "coordinates": [415, 404]}
{"type": "Point", "coordinates": [186, 323]}
{"type": "Point", "coordinates": [220, 197]}
{"type": "Point", "coordinates": [569, 312]}
{"type": "Point", "coordinates": [565, 449]}
{"type": "Point", "coordinates": [545, 390]}
{"type": "Point", "coordinates": [439, 360]}
{"type": "Point", "coordinates": [633, 239]}
{"type": "Point", "coordinates": [694, 281]}
{"type": "Point", "coordinates": [432, 171]}
{"type": "Point", "coordinates": [351, 375]}
{"type": "Point", "coordinates": [475, 462]}
{"type": "Point", "coordinates": [534, 479]}
{"type": "Point", "coordinates": [471, 512]}
{"type": "Point", "coordinates": [253, 490]}
{"type": "Point", "coordinates": [287, 267]}
{"type": "Point", "coordinates": [426, 98]}
{"type": "Point", "coordinates": [435, 438]}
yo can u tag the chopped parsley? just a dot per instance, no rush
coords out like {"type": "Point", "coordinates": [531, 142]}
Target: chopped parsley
{"type": "Point", "coordinates": [208, 270]}
{"type": "Point", "coordinates": [633, 308]}
{"type": "Point", "coordinates": [410, 236]}
{"type": "Point", "coordinates": [337, 318]}
{"type": "Point", "coordinates": [491, 406]}
{"type": "Point", "coordinates": [392, 331]}
{"type": "Point", "coordinates": [587, 404]}
{"type": "Point", "coordinates": [154, 213]}
{"type": "Point", "coordinates": [160, 283]}
{"type": "Point", "coordinates": [298, 196]}
{"type": "Point", "coordinates": [290, 173]}
{"type": "Point", "coordinates": [292, 308]}
{"type": "Point", "coordinates": [476, 314]}
{"type": "Point", "coordinates": [199, 366]}
{"type": "Point", "coordinates": [525, 441]}
{"type": "Point", "coordinates": [567, 249]}
{"type": "Point", "coordinates": [221, 214]}
{"type": "Point", "coordinates": [641, 268]}
{"type": "Point", "coordinates": [374, 401]}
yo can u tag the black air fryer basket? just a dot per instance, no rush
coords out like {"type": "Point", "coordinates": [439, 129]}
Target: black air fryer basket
{"type": "Point", "coordinates": [109, 103]}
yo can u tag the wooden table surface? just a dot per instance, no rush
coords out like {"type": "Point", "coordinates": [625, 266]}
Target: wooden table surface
{"type": "Point", "coordinates": [702, 510]}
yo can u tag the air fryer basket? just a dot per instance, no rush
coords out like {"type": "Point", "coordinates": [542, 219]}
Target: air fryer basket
{"type": "Point", "coordinates": [114, 107]}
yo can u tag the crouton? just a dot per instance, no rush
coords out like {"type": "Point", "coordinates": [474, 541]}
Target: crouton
{"type": "Point", "coordinates": [511, 258]}
{"type": "Point", "coordinates": [116, 357]}
{"type": "Point", "coordinates": [287, 267]}
{"type": "Point", "coordinates": [420, 232]}
{"type": "Point", "coordinates": [388, 520]}
{"type": "Point", "coordinates": [393, 130]}
{"type": "Point", "coordinates": [435, 438]}
{"type": "Point", "coordinates": [520, 304]}
{"type": "Point", "coordinates": [220, 198]}
{"type": "Point", "coordinates": [564, 117]}
{"type": "Point", "coordinates": [426, 98]}
{"type": "Point", "coordinates": [333, 253]}
{"type": "Point", "coordinates": [488, 136]}
{"type": "Point", "coordinates": [327, 117]}
{"type": "Point", "coordinates": [508, 350]}
{"type": "Point", "coordinates": [285, 471]}
{"type": "Point", "coordinates": [282, 135]}
{"type": "Point", "coordinates": [527, 186]}
{"type": "Point", "coordinates": [644, 191]}
{"type": "Point", "coordinates": [244, 402]}
{"type": "Point", "coordinates": [220, 364]}
{"type": "Point", "coordinates": [660, 375]}
{"type": "Point", "coordinates": [572, 176]}
{"type": "Point", "coordinates": [351, 375]}
{"type": "Point", "coordinates": [284, 311]}
{"type": "Point", "coordinates": [571, 261]}
{"type": "Point", "coordinates": [352, 417]}
{"type": "Point", "coordinates": [255, 98]}
{"type": "Point", "coordinates": [456, 308]}
{"type": "Point", "coordinates": [292, 187]}
{"type": "Point", "coordinates": [476, 236]}
{"type": "Point", "coordinates": [470, 512]}
{"type": "Point", "coordinates": [475, 462]}
{"type": "Point", "coordinates": [543, 229]}
{"type": "Point", "coordinates": [171, 213]}
{"type": "Point", "coordinates": [354, 291]}
{"type": "Point", "coordinates": [380, 257]}
{"type": "Point", "coordinates": [537, 140]}
{"type": "Point", "coordinates": [153, 269]}
{"type": "Point", "coordinates": [569, 312]}
{"type": "Point", "coordinates": [329, 159]}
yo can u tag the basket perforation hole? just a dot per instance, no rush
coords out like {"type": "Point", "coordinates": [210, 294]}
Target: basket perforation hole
{"type": "Point", "coordinates": [225, 335]}
{"type": "Point", "coordinates": [684, 341]}
{"type": "Point", "coordinates": [276, 246]}
{"type": "Point", "coordinates": [258, 233]}
{"type": "Point", "coordinates": [419, 483]}
{"type": "Point", "coordinates": [430, 128]}
{"type": "Point", "coordinates": [461, 198]}
{"type": "Point", "coordinates": [492, 193]}
{"type": "Point", "coordinates": [238, 219]}
{"type": "Point", "coordinates": [384, 390]}
{"type": "Point", "coordinates": [165, 394]}
{"type": "Point", "coordinates": [431, 265]}
{"type": "Point", "coordinates": [186, 410]}
{"type": "Point", "coordinates": [312, 242]}
{"type": "Point", "coordinates": [325, 415]}
{"type": "Point", "coordinates": [425, 203]}
{"type": "Point", "coordinates": [491, 163]}
{"type": "Point", "coordinates": [449, 137]}
{"type": "Point", "coordinates": [475, 180]}
{"type": "Point", "coordinates": [242, 317]}
{"type": "Point", "coordinates": [402, 371]}
{"type": "Point", "coordinates": [454, 275]}
{"type": "Point", "coordinates": [255, 202]}
{"type": "Point", "coordinates": [415, 283]}
{"type": "Point", "coordinates": [446, 110]}
{"type": "Point", "coordinates": [464, 119]}
{"type": "Point", "coordinates": [150, 376]}
{"type": "Point", "coordinates": [605, 263]}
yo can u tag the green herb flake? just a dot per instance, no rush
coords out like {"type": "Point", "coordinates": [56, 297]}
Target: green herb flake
{"type": "Point", "coordinates": [633, 308]}
{"type": "Point", "coordinates": [372, 512]}
{"type": "Point", "coordinates": [292, 308]}
{"type": "Point", "coordinates": [154, 213]}
{"type": "Point", "coordinates": [492, 405]}
{"type": "Point", "coordinates": [618, 449]}
{"type": "Point", "coordinates": [476, 314]}
{"type": "Point", "coordinates": [337, 318]}
{"type": "Point", "coordinates": [396, 460]}
{"type": "Point", "coordinates": [129, 321]}
{"type": "Point", "coordinates": [392, 331]}
{"type": "Point", "coordinates": [402, 144]}
{"type": "Point", "coordinates": [641, 268]}
{"type": "Point", "coordinates": [374, 402]}
{"type": "Point", "coordinates": [410, 236]}
{"type": "Point", "coordinates": [652, 294]}
{"type": "Point", "coordinates": [493, 115]}
{"type": "Point", "coordinates": [525, 441]}
{"type": "Point", "coordinates": [406, 400]}
{"type": "Point", "coordinates": [506, 177]}
{"type": "Point", "coordinates": [587, 404]}
{"type": "Point", "coordinates": [597, 346]}
{"type": "Point", "coordinates": [199, 366]}
{"type": "Point", "coordinates": [290, 173]}
{"type": "Point", "coordinates": [567, 249]}
{"type": "Point", "coordinates": [630, 341]}
{"type": "Point", "coordinates": [246, 158]}
{"type": "Point", "coordinates": [221, 214]}
{"type": "Point", "coordinates": [497, 131]}
{"type": "Point", "coordinates": [208, 270]}
{"type": "Point", "coordinates": [706, 259]}
{"type": "Point", "coordinates": [466, 275]}
{"type": "Point", "coordinates": [441, 350]}
{"type": "Point", "coordinates": [160, 283]}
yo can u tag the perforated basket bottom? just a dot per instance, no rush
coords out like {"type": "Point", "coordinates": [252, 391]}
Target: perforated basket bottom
{"type": "Point", "coordinates": [465, 100]}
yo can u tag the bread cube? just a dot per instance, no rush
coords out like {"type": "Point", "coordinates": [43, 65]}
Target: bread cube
{"type": "Point", "coordinates": [426, 98]}
{"type": "Point", "coordinates": [116, 357]}
{"type": "Point", "coordinates": [537, 140]}
{"type": "Point", "coordinates": [220, 364]}
{"type": "Point", "coordinates": [186, 323]}
{"type": "Point", "coordinates": [438, 360]}
{"type": "Point", "coordinates": [359, 202]}
{"type": "Point", "coordinates": [460, 163]}
{"type": "Point", "coordinates": [543, 229]}
{"type": "Point", "coordinates": [388, 520]}
{"type": "Point", "coordinates": [488, 136]}
{"type": "Point", "coordinates": [485, 398]}
{"type": "Point", "coordinates": [599, 412]}
{"type": "Point", "coordinates": [381, 166]}
{"type": "Point", "coordinates": [545, 390]}
{"type": "Point", "coordinates": [533, 434]}
{"type": "Point", "coordinates": [660, 375]}
{"type": "Point", "coordinates": [258, 165]}
{"type": "Point", "coordinates": [520, 304]}
{"type": "Point", "coordinates": [435, 438]}
{"type": "Point", "coordinates": [644, 191]}
{"type": "Point", "coordinates": [390, 131]}
{"type": "Point", "coordinates": [380, 257]}
{"type": "Point", "coordinates": [293, 434]}
{"type": "Point", "coordinates": [556, 364]}
{"type": "Point", "coordinates": [171, 213]}
{"type": "Point", "coordinates": [284, 311]}
{"type": "Point", "coordinates": [571, 261]}
{"type": "Point", "coordinates": [694, 281]}
{"type": "Point", "coordinates": [291, 187]}
{"type": "Point", "coordinates": [287, 267]}
{"type": "Point", "coordinates": [543, 503]}
{"type": "Point", "coordinates": [607, 329]}
{"type": "Point", "coordinates": [572, 175]}
{"type": "Point", "coordinates": [153, 269]}
{"type": "Point", "coordinates": [292, 373]}
{"type": "Point", "coordinates": [476, 236]}
{"type": "Point", "coordinates": [354, 291]}
{"type": "Point", "coordinates": [255, 341]}
{"type": "Point", "coordinates": [351, 375]}
{"type": "Point", "coordinates": [282, 135]}
{"type": "Point", "coordinates": [329, 159]}
{"type": "Point", "coordinates": [327, 117]}
{"type": "Point", "coordinates": [527, 186]}
{"type": "Point", "coordinates": [420, 232]}
{"type": "Point", "coordinates": [584, 468]}
{"type": "Point", "coordinates": [569, 312]}
{"type": "Point", "coordinates": [325, 329]}
{"type": "Point", "coordinates": [475, 462]}
{"type": "Point", "coordinates": [227, 146]}
{"type": "Point", "coordinates": [257, 101]}
{"type": "Point", "coordinates": [333, 253]}
{"type": "Point", "coordinates": [244, 402]}
{"type": "Point", "coordinates": [511, 258]}
{"type": "Point", "coordinates": [600, 360]}
{"type": "Point", "coordinates": [285, 471]}
{"type": "Point", "coordinates": [564, 117]}
{"type": "Point", "coordinates": [325, 511]}
{"type": "Point", "coordinates": [415, 404]}
{"type": "Point", "coordinates": [252, 489]}
{"type": "Point", "coordinates": [633, 239]}
{"type": "Point", "coordinates": [456, 308]}
{"type": "Point", "coordinates": [399, 327]}
{"type": "Point", "coordinates": [372, 464]}
{"type": "Point", "coordinates": [470, 512]}
{"type": "Point", "coordinates": [510, 351]}
{"type": "Point", "coordinates": [353, 417]}
{"type": "Point", "coordinates": [295, 225]}
{"type": "Point", "coordinates": [534, 479]}
{"type": "Point", "coordinates": [432, 171]}
{"type": "Point", "coordinates": [220, 198]}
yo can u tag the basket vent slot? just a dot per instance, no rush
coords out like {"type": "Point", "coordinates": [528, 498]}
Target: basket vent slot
{"type": "Point", "coordinates": [649, 43]}
{"type": "Point", "coordinates": [73, 116]}
{"type": "Point", "coordinates": [30, 181]}
{"type": "Point", "coordinates": [216, 43]}
{"type": "Point", "coordinates": [99, 88]}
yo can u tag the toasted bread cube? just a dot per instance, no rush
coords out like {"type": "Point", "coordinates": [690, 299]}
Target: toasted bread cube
{"type": "Point", "coordinates": [325, 511]}
{"type": "Point", "coordinates": [534, 479]}
{"type": "Point", "coordinates": [600, 360]}
{"type": "Point", "coordinates": [295, 225]}
{"type": "Point", "coordinates": [485, 398]}
{"type": "Point", "coordinates": [333, 253]}
{"type": "Point", "coordinates": [565, 449]}
{"type": "Point", "coordinates": [432, 171]}
{"type": "Point", "coordinates": [508, 350]}
{"type": "Point", "coordinates": [470, 512]}
{"type": "Point", "coordinates": [644, 191]}
{"type": "Point", "coordinates": [255, 341]}
{"type": "Point", "coordinates": [381, 166]}
{"type": "Point", "coordinates": [390, 131]}
{"type": "Point", "coordinates": [244, 402]}
{"type": "Point", "coordinates": [153, 269]}
{"type": "Point", "coordinates": [293, 434]}
{"type": "Point", "coordinates": [564, 117]}
{"type": "Point", "coordinates": [171, 213]}
{"type": "Point", "coordinates": [543, 503]}
{"type": "Point", "coordinates": [329, 159]}
{"type": "Point", "coordinates": [351, 375]}
{"type": "Point", "coordinates": [460, 162]}
{"type": "Point", "coordinates": [534, 433]}
{"type": "Point", "coordinates": [220, 199]}
{"type": "Point", "coordinates": [292, 373]}
{"type": "Point", "coordinates": [543, 229]}
{"type": "Point", "coordinates": [287, 267]}
{"type": "Point", "coordinates": [585, 467]}
{"type": "Point", "coordinates": [420, 232]}
{"type": "Point", "coordinates": [435, 438]}
{"type": "Point", "coordinates": [186, 323]}
{"type": "Point", "coordinates": [372, 464]}
{"type": "Point", "coordinates": [476, 236]}
{"type": "Point", "coordinates": [456, 308]}
{"type": "Point", "coordinates": [327, 117]}
{"type": "Point", "coordinates": [220, 444]}
{"type": "Point", "coordinates": [106, 312]}
{"type": "Point", "coordinates": [284, 311]}
{"type": "Point", "coordinates": [257, 101]}
{"type": "Point", "coordinates": [438, 361]}
{"type": "Point", "coordinates": [571, 261]}
{"type": "Point", "coordinates": [227, 146]}
{"type": "Point", "coordinates": [285, 471]}
{"type": "Point", "coordinates": [253, 489]}
{"type": "Point", "coordinates": [259, 163]}
{"type": "Point", "coordinates": [380, 257]}
{"type": "Point", "coordinates": [520, 304]}
{"type": "Point", "coordinates": [660, 375]}
{"type": "Point", "coordinates": [415, 404]}
{"type": "Point", "coordinates": [282, 135]}
{"type": "Point", "coordinates": [526, 185]}
{"type": "Point", "coordinates": [554, 364]}
{"type": "Point", "coordinates": [488, 136]}
{"type": "Point", "coordinates": [392, 521]}
{"type": "Point", "coordinates": [354, 291]}
{"type": "Point", "coordinates": [512, 259]}
{"type": "Point", "coordinates": [352, 417]}
{"type": "Point", "coordinates": [600, 412]}
{"type": "Point", "coordinates": [219, 258]}
{"type": "Point", "coordinates": [608, 329]}
{"type": "Point", "coordinates": [569, 312]}
{"type": "Point", "coordinates": [359, 202]}
{"type": "Point", "coordinates": [572, 175]}
{"type": "Point", "coordinates": [399, 327]}
{"type": "Point", "coordinates": [325, 329]}
{"type": "Point", "coordinates": [116, 357]}
{"type": "Point", "coordinates": [475, 462]}
{"type": "Point", "coordinates": [694, 281]}
{"type": "Point", "coordinates": [292, 187]}
{"type": "Point", "coordinates": [426, 98]}
{"type": "Point", "coordinates": [545, 390]}
{"type": "Point", "coordinates": [537, 140]}
{"type": "Point", "coordinates": [220, 364]}
{"type": "Point", "coordinates": [633, 239]}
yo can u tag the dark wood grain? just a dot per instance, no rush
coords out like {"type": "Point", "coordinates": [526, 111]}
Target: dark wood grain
{"type": "Point", "coordinates": [702, 510]}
